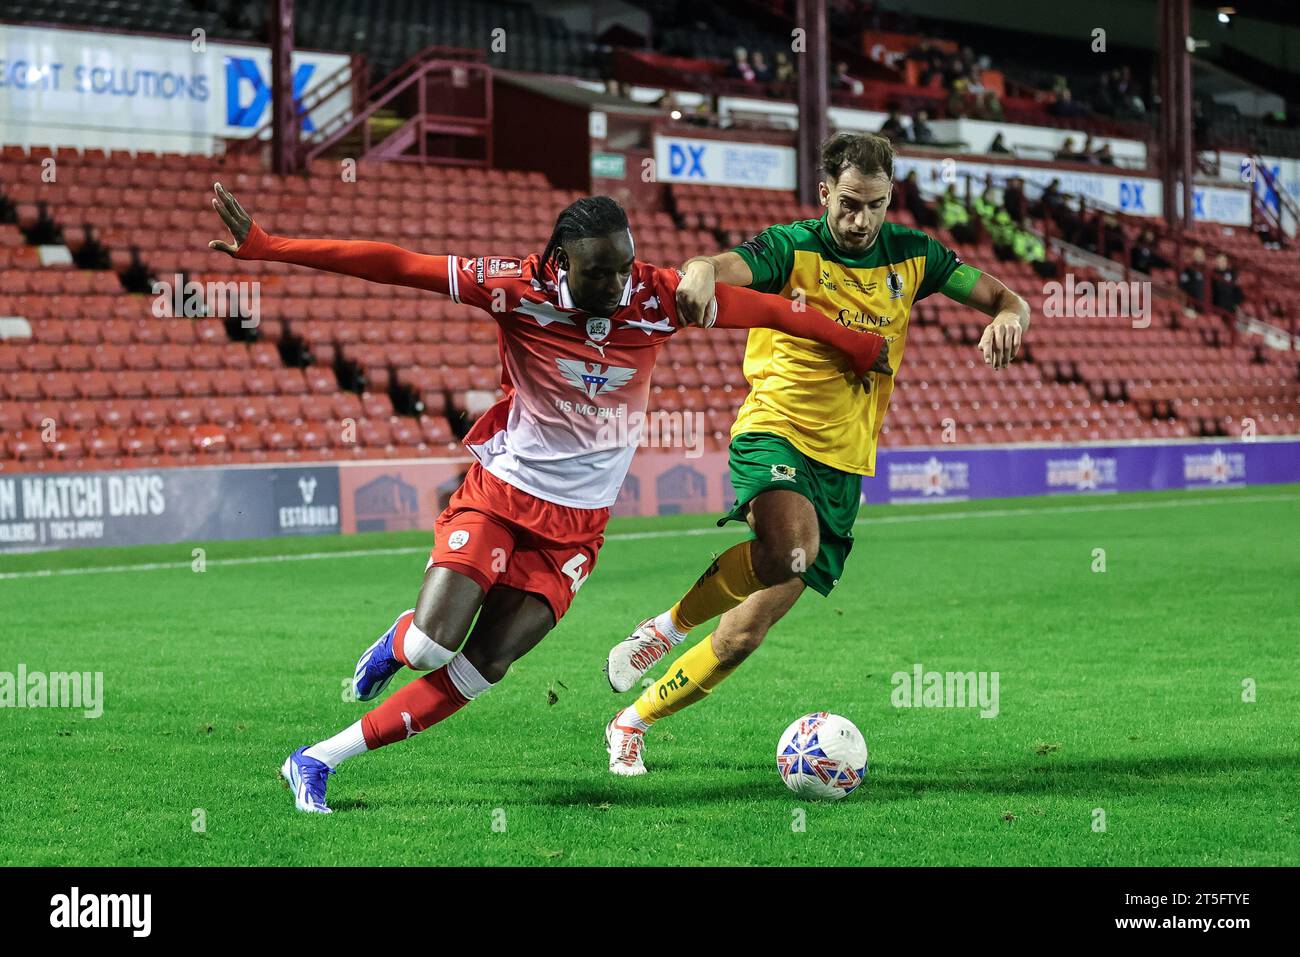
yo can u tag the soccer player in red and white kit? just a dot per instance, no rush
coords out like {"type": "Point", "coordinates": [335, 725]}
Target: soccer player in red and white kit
{"type": "Point", "coordinates": [579, 329]}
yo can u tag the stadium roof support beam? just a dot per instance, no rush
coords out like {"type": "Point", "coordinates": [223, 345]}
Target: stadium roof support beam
{"type": "Point", "coordinates": [284, 119]}
{"type": "Point", "coordinates": [814, 94]}
{"type": "Point", "coordinates": [1176, 149]}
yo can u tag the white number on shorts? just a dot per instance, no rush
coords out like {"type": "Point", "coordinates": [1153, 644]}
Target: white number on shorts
{"type": "Point", "coordinates": [573, 568]}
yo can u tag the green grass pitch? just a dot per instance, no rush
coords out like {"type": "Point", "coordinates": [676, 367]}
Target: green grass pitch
{"type": "Point", "coordinates": [1119, 690]}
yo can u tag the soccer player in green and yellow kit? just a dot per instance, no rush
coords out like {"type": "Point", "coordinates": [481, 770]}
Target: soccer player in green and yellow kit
{"type": "Point", "coordinates": [808, 430]}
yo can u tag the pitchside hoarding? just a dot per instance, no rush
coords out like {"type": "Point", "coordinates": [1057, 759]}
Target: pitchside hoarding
{"type": "Point", "coordinates": [954, 474]}
{"type": "Point", "coordinates": [43, 511]}
{"type": "Point", "coordinates": [121, 91]}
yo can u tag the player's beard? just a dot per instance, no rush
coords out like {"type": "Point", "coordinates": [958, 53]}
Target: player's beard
{"type": "Point", "coordinates": [860, 246]}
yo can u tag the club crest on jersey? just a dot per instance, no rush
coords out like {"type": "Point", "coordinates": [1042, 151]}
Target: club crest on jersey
{"type": "Point", "coordinates": [457, 539]}
{"type": "Point", "coordinates": [592, 378]}
{"type": "Point", "coordinates": [598, 329]}
{"type": "Point", "coordinates": [895, 283]}
{"type": "Point", "coordinates": [782, 473]}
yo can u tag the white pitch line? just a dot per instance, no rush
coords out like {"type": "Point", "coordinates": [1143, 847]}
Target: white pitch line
{"type": "Point", "coordinates": [686, 532]}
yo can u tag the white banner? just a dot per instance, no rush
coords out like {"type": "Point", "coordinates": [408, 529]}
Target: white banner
{"type": "Point", "coordinates": [119, 91]}
{"type": "Point", "coordinates": [1134, 195]}
{"type": "Point", "coordinates": [722, 163]}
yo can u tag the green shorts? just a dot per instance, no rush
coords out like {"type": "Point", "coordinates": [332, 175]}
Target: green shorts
{"type": "Point", "coordinates": [761, 462]}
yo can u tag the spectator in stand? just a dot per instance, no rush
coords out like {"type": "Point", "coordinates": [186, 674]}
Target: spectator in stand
{"type": "Point", "coordinates": [762, 72]}
{"type": "Point", "coordinates": [1066, 105]}
{"type": "Point", "coordinates": [999, 145]}
{"type": "Point", "coordinates": [785, 71]}
{"type": "Point", "coordinates": [923, 54]}
{"type": "Point", "coordinates": [956, 106]}
{"type": "Point", "coordinates": [1103, 155]}
{"type": "Point", "coordinates": [1013, 199]}
{"type": "Point", "coordinates": [954, 71]}
{"type": "Point", "coordinates": [1113, 237]}
{"type": "Point", "coordinates": [922, 212]}
{"type": "Point", "coordinates": [1224, 291]}
{"type": "Point", "coordinates": [1144, 256]}
{"type": "Point", "coordinates": [1192, 279]}
{"type": "Point", "coordinates": [1128, 105]}
{"type": "Point", "coordinates": [954, 217]}
{"type": "Point", "coordinates": [893, 129]}
{"type": "Point", "coordinates": [990, 107]}
{"type": "Point", "coordinates": [935, 64]}
{"type": "Point", "coordinates": [740, 67]}
{"type": "Point", "coordinates": [921, 131]}
{"type": "Point", "coordinates": [840, 80]}
{"type": "Point", "coordinates": [1069, 152]}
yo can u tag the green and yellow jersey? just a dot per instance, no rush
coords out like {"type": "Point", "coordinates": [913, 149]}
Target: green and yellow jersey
{"type": "Point", "coordinates": [805, 391]}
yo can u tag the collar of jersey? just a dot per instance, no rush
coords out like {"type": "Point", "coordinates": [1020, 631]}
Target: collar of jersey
{"type": "Point", "coordinates": [565, 301]}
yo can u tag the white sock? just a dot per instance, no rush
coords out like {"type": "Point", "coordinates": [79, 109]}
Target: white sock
{"type": "Point", "coordinates": [665, 626]}
{"type": "Point", "coordinates": [629, 717]}
{"type": "Point", "coordinates": [466, 678]}
{"type": "Point", "coordinates": [423, 653]}
{"type": "Point", "coordinates": [346, 744]}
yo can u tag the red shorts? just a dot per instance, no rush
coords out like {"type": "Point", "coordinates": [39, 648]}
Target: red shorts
{"type": "Point", "coordinates": [497, 534]}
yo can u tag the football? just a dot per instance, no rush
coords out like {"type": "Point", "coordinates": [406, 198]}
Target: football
{"type": "Point", "coordinates": [822, 756]}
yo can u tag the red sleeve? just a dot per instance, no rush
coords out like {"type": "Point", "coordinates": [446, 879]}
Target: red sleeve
{"type": "Point", "coordinates": [375, 262]}
{"type": "Point", "coordinates": [741, 308]}
{"type": "Point", "coordinates": [471, 281]}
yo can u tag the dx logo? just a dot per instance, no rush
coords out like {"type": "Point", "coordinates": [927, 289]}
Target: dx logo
{"type": "Point", "coordinates": [244, 74]}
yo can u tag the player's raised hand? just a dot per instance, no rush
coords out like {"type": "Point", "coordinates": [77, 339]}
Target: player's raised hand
{"type": "Point", "coordinates": [232, 214]}
{"type": "Point", "coordinates": [695, 306]}
{"type": "Point", "coordinates": [1000, 342]}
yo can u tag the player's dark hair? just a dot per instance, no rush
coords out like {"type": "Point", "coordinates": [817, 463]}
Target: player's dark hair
{"type": "Point", "coordinates": [868, 153]}
{"type": "Point", "coordinates": [584, 219]}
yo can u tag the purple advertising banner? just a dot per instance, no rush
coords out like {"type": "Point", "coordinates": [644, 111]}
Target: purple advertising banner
{"type": "Point", "coordinates": [41, 510]}
{"type": "Point", "coordinates": [955, 474]}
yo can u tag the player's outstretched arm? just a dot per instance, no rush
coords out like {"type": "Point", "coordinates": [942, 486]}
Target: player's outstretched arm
{"type": "Point", "coordinates": [1002, 337]}
{"type": "Point", "coordinates": [740, 308]}
{"type": "Point", "coordinates": [701, 275]}
{"type": "Point", "coordinates": [376, 262]}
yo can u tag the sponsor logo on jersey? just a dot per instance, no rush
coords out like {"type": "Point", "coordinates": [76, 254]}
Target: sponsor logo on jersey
{"type": "Point", "coordinates": [757, 245]}
{"type": "Point", "coordinates": [783, 473]}
{"type": "Point", "coordinates": [593, 379]}
{"type": "Point", "coordinates": [457, 539]}
{"type": "Point", "coordinates": [504, 268]}
{"type": "Point", "coordinates": [848, 282]}
{"type": "Point", "coordinates": [854, 319]}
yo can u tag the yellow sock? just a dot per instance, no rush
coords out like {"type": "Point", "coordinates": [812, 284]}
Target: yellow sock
{"type": "Point", "coordinates": [728, 582]}
{"type": "Point", "coordinates": [689, 678]}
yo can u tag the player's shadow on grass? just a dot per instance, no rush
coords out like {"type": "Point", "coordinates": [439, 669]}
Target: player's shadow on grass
{"type": "Point", "coordinates": [1049, 774]}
